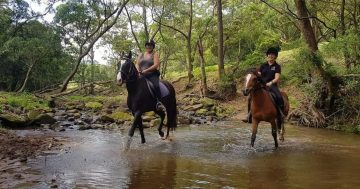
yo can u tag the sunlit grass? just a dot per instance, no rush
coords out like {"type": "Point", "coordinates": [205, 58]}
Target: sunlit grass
{"type": "Point", "coordinates": [25, 100]}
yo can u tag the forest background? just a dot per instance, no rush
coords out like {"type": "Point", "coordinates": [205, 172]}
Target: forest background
{"type": "Point", "coordinates": [206, 45]}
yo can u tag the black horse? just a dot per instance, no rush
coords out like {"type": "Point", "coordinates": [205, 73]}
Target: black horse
{"type": "Point", "coordinates": [140, 99]}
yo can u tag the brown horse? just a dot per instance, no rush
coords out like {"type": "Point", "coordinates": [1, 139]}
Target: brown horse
{"type": "Point", "coordinates": [262, 106]}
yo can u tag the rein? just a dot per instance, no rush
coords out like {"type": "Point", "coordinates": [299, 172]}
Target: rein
{"type": "Point", "coordinates": [258, 85]}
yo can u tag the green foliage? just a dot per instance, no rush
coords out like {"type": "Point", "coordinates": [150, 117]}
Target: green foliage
{"type": "Point", "coordinates": [298, 72]}
{"type": "Point", "coordinates": [24, 100]}
{"type": "Point", "coordinates": [29, 45]}
{"type": "Point", "coordinates": [227, 85]}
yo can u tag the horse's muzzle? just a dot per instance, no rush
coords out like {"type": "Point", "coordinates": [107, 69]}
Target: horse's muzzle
{"type": "Point", "coordinates": [246, 92]}
{"type": "Point", "coordinates": [119, 82]}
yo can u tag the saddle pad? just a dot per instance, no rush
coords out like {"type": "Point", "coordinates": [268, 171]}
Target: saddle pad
{"type": "Point", "coordinates": [163, 89]}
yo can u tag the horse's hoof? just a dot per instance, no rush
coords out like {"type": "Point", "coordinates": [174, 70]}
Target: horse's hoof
{"type": "Point", "coordinates": [281, 139]}
{"type": "Point", "coordinates": [161, 135]}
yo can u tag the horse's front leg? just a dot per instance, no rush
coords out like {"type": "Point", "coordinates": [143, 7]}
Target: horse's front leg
{"type": "Point", "coordinates": [282, 132]}
{"type": "Point", "coordinates": [255, 124]}
{"type": "Point", "coordinates": [137, 122]}
{"type": "Point", "coordinates": [141, 128]}
{"type": "Point", "coordinates": [162, 117]}
{"type": "Point", "coordinates": [281, 129]}
{"type": "Point", "coordinates": [274, 133]}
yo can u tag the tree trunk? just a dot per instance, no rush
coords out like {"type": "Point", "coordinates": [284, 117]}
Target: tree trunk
{"type": "Point", "coordinates": [189, 49]}
{"type": "Point", "coordinates": [305, 24]}
{"type": "Point", "coordinates": [221, 67]}
{"type": "Point", "coordinates": [343, 32]}
{"type": "Point", "coordinates": [145, 21]}
{"type": "Point", "coordinates": [92, 53]}
{"type": "Point", "coordinates": [187, 36]}
{"type": "Point", "coordinates": [189, 60]}
{"type": "Point", "coordinates": [318, 72]}
{"type": "Point", "coordinates": [204, 87]}
{"type": "Point", "coordinates": [132, 30]}
{"type": "Point", "coordinates": [26, 78]}
{"type": "Point", "coordinates": [314, 22]}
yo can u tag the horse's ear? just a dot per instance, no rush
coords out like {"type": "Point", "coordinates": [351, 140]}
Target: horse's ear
{"type": "Point", "coordinates": [129, 56]}
{"type": "Point", "coordinates": [251, 70]}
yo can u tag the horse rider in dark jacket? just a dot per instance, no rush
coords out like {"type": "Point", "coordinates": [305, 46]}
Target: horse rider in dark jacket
{"type": "Point", "coordinates": [270, 72]}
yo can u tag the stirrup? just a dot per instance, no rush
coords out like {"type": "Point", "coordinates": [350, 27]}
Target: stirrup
{"type": "Point", "coordinates": [160, 106]}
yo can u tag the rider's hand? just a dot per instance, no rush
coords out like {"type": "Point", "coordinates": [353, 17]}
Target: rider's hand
{"type": "Point", "coordinates": [269, 83]}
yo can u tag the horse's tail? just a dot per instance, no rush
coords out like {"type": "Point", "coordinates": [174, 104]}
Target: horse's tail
{"type": "Point", "coordinates": [171, 110]}
{"type": "Point", "coordinates": [286, 103]}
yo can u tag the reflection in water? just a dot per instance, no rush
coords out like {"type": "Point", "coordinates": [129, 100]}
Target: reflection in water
{"type": "Point", "coordinates": [207, 157]}
{"type": "Point", "coordinates": [269, 174]}
{"type": "Point", "coordinates": [153, 172]}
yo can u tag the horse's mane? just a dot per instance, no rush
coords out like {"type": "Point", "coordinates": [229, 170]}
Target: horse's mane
{"type": "Point", "coordinates": [253, 71]}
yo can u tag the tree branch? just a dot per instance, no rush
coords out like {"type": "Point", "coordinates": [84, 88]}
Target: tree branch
{"type": "Point", "coordinates": [132, 30]}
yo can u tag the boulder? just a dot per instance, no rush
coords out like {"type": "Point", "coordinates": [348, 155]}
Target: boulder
{"type": "Point", "coordinates": [148, 118]}
{"type": "Point", "coordinates": [202, 111]}
{"type": "Point", "coordinates": [73, 111]}
{"type": "Point", "coordinates": [44, 119]}
{"type": "Point", "coordinates": [155, 122]}
{"type": "Point", "coordinates": [13, 120]}
{"type": "Point", "coordinates": [146, 125]}
{"type": "Point", "coordinates": [184, 120]}
{"type": "Point", "coordinates": [77, 115]}
{"type": "Point", "coordinates": [150, 113]}
{"type": "Point", "coordinates": [121, 116]}
{"type": "Point", "coordinates": [196, 107]}
{"type": "Point", "coordinates": [106, 118]}
{"type": "Point", "coordinates": [32, 114]}
{"type": "Point", "coordinates": [84, 127]}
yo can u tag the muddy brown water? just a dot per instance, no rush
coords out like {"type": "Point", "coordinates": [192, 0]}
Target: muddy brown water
{"type": "Point", "coordinates": [205, 156]}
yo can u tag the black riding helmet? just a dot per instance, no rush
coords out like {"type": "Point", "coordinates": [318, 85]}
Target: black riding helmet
{"type": "Point", "coordinates": [150, 43]}
{"type": "Point", "coordinates": [272, 50]}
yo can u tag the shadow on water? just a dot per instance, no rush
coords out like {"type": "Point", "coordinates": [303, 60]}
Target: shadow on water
{"type": "Point", "coordinates": [205, 157]}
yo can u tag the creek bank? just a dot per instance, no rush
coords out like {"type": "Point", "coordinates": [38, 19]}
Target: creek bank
{"type": "Point", "coordinates": [102, 113]}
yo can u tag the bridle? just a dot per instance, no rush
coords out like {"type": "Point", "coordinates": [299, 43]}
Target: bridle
{"type": "Point", "coordinates": [129, 72]}
{"type": "Point", "coordinates": [259, 84]}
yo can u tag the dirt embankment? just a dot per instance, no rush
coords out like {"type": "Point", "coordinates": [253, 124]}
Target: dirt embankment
{"type": "Point", "coordinates": [22, 147]}
{"type": "Point", "coordinates": [15, 151]}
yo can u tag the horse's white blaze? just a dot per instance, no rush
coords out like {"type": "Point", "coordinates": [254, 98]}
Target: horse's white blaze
{"type": "Point", "coordinates": [247, 79]}
{"type": "Point", "coordinates": [118, 76]}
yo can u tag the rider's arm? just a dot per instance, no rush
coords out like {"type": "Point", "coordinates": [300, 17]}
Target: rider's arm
{"type": "Point", "coordinates": [137, 63]}
{"type": "Point", "coordinates": [277, 76]}
{"type": "Point", "coordinates": [276, 79]}
{"type": "Point", "coordinates": [156, 65]}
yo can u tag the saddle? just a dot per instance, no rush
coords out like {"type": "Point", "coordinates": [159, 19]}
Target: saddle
{"type": "Point", "coordinates": [163, 89]}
